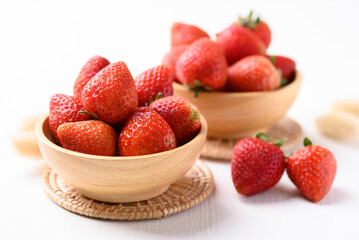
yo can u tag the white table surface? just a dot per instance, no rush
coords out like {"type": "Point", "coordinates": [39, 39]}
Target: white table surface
{"type": "Point", "coordinates": [43, 46]}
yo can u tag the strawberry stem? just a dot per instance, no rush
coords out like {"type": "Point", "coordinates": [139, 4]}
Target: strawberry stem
{"type": "Point", "coordinates": [248, 21]}
{"type": "Point", "coordinates": [91, 114]}
{"type": "Point", "coordinates": [262, 136]}
{"type": "Point", "coordinates": [272, 59]}
{"type": "Point", "coordinates": [307, 142]}
{"type": "Point", "coordinates": [159, 96]}
{"type": "Point", "coordinates": [279, 142]}
{"type": "Point", "coordinates": [198, 87]}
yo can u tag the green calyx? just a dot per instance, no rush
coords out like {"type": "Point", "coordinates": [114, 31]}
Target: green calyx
{"type": "Point", "coordinates": [279, 142]}
{"type": "Point", "coordinates": [307, 142]}
{"type": "Point", "coordinates": [159, 96]}
{"type": "Point", "coordinates": [265, 137]}
{"type": "Point", "coordinates": [198, 87]}
{"type": "Point", "coordinates": [88, 113]}
{"type": "Point", "coordinates": [249, 21]}
{"type": "Point", "coordinates": [272, 59]}
{"type": "Point", "coordinates": [262, 136]}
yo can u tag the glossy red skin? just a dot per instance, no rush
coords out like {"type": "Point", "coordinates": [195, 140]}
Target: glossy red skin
{"type": "Point", "coordinates": [152, 82]}
{"type": "Point", "coordinates": [312, 169]}
{"type": "Point", "coordinates": [63, 109]}
{"type": "Point", "coordinates": [170, 59]}
{"type": "Point", "coordinates": [111, 94]}
{"type": "Point", "coordinates": [181, 115]}
{"type": "Point", "coordinates": [145, 132]}
{"type": "Point", "coordinates": [91, 137]}
{"type": "Point", "coordinates": [256, 166]}
{"type": "Point", "coordinates": [91, 67]}
{"type": "Point", "coordinates": [202, 60]}
{"type": "Point", "coordinates": [285, 64]}
{"type": "Point", "coordinates": [263, 32]}
{"type": "Point", "coordinates": [184, 34]}
{"type": "Point", "coordinates": [238, 42]}
{"type": "Point", "coordinates": [253, 73]}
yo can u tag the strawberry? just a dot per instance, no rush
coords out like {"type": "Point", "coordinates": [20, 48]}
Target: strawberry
{"type": "Point", "coordinates": [202, 64]}
{"type": "Point", "coordinates": [258, 27]}
{"type": "Point", "coordinates": [181, 115]}
{"type": "Point", "coordinates": [91, 137]}
{"type": "Point", "coordinates": [111, 94]}
{"type": "Point", "coordinates": [238, 42]}
{"type": "Point", "coordinates": [145, 132]}
{"type": "Point", "coordinates": [182, 34]}
{"type": "Point", "coordinates": [154, 81]}
{"type": "Point", "coordinates": [253, 73]}
{"type": "Point", "coordinates": [312, 169]}
{"type": "Point", "coordinates": [284, 64]}
{"type": "Point", "coordinates": [256, 165]}
{"type": "Point", "coordinates": [91, 67]}
{"type": "Point", "coordinates": [63, 109]}
{"type": "Point", "coordinates": [170, 59]}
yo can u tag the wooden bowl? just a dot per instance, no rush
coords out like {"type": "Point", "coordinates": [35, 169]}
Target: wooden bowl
{"type": "Point", "coordinates": [119, 179]}
{"type": "Point", "coordinates": [233, 115]}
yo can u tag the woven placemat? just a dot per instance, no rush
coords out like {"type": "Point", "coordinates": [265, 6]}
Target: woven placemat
{"type": "Point", "coordinates": [287, 128]}
{"type": "Point", "coordinates": [195, 186]}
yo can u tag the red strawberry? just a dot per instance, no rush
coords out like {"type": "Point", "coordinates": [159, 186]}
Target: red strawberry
{"type": "Point", "coordinates": [152, 82]}
{"type": "Point", "coordinates": [256, 165]}
{"type": "Point", "coordinates": [91, 67]}
{"type": "Point", "coordinates": [312, 169]}
{"type": "Point", "coordinates": [170, 59]}
{"type": "Point", "coordinates": [253, 73]}
{"type": "Point", "coordinates": [91, 137]}
{"type": "Point", "coordinates": [258, 27]}
{"type": "Point", "coordinates": [284, 64]}
{"type": "Point", "coordinates": [203, 61]}
{"type": "Point", "coordinates": [63, 109]}
{"type": "Point", "coordinates": [238, 42]}
{"type": "Point", "coordinates": [111, 94]}
{"type": "Point", "coordinates": [181, 115]}
{"type": "Point", "coordinates": [145, 132]}
{"type": "Point", "coordinates": [185, 34]}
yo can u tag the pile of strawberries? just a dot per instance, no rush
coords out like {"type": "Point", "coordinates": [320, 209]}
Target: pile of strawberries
{"type": "Point", "coordinates": [235, 61]}
{"type": "Point", "coordinates": [111, 113]}
{"type": "Point", "coordinates": [258, 165]}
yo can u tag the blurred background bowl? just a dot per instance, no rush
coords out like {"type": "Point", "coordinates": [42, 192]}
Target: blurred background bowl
{"type": "Point", "coordinates": [119, 179]}
{"type": "Point", "coordinates": [232, 115]}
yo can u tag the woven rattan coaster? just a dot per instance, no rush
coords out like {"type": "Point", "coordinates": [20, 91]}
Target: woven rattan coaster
{"type": "Point", "coordinates": [187, 192]}
{"type": "Point", "coordinates": [286, 128]}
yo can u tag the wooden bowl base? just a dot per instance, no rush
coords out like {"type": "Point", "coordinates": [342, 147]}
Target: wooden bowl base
{"type": "Point", "coordinates": [194, 187]}
{"type": "Point", "coordinates": [117, 198]}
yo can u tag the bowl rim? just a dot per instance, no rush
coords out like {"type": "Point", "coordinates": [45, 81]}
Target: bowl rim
{"type": "Point", "coordinates": [296, 80]}
{"type": "Point", "coordinates": [41, 137]}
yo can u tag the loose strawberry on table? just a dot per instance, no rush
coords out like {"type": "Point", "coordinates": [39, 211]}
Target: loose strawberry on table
{"type": "Point", "coordinates": [183, 34]}
{"type": "Point", "coordinates": [111, 94]}
{"type": "Point", "coordinates": [312, 169]}
{"type": "Point", "coordinates": [154, 81]}
{"type": "Point", "coordinates": [64, 108]}
{"type": "Point", "coordinates": [256, 165]}
{"type": "Point", "coordinates": [181, 115]}
{"type": "Point", "coordinates": [202, 64]}
{"type": "Point", "coordinates": [253, 73]}
{"type": "Point", "coordinates": [91, 67]}
{"type": "Point", "coordinates": [145, 132]}
{"type": "Point", "coordinates": [91, 137]}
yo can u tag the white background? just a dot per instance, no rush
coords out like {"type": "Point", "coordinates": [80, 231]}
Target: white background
{"type": "Point", "coordinates": [44, 44]}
